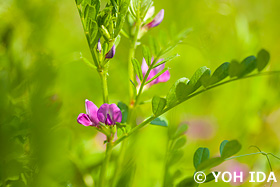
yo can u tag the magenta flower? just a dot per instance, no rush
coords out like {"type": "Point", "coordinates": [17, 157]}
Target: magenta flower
{"type": "Point", "coordinates": [108, 114]}
{"type": "Point", "coordinates": [162, 78]}
{"type": "Point", "coordinates": [157, 20]}
{"type": "Point", "coordinates": [111, 53]}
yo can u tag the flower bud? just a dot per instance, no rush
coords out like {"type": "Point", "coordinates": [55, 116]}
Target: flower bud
{"type": "Point", "coordinates": [157, 20]}
{"type": "Point", "coordinates": [99, 47]}
{"type": "Point", "coordinates": [111, 53]}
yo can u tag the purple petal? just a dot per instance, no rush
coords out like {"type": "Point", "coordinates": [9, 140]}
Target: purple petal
{"type": "Point", "coordinates": [144, 66]}
{"type": "Point", "coordinates": [111, 53]}
{"type": "Point", "coordinates": [144, 69]}
{"type": "Point", "coordinates": [108, 120]}
{"type": "Point", "coordinates": [109, 114]}
{"type": "Point", "coordinates": [157, 20]}
{"type": "Point", "coordinates": [115, 113]}
{"type": "Point", "coordinates": [84, 120]}
{"type": "Point", "coordinates": [91, 109]}
{"type": "Point", "coordinates": [102, 112]}
{"type": "Point", "coordinates": [164, 77]}
{"type": "Point", "coordinates": [99, 47]}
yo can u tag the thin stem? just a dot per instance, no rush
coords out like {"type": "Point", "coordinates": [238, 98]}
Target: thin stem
{"type": "Point", "coordinates": [151, 118]}
{"type": "Point", "coordinates": [234, 157]}
{"type": "Point", "coordinates": [131, 55]}
{"type": "Point", "coordinates": [103, 76]}
{"type": "Point", "coordinates": [102, 71]}
{"type": "Point", "coordinates": [105, 164]}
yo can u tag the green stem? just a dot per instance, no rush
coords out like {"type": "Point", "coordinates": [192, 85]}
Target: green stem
{"type": "Point", "coordinates": [151, 118]}
{"type": "Point", "coordinates": [103, 76]}
{"type": "Point", "coordinates": [234, 157]}
{"type": "Point", "coordinates": [105, 164]}
{"type": "Point", "coordinates": [131, 55]}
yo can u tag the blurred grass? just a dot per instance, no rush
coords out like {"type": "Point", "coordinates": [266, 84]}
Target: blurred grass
{"type": "Point", "coordinates": [44, 85]}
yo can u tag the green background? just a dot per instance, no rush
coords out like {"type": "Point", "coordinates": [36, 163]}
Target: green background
{"type": "Point", "coordinates": [44, 84]}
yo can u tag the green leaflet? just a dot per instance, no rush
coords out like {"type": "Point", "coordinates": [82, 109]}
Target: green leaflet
{"type": "Point", "coordinates": [180, 131]}
{"type": "Point", "coordinates": [234, 68]}
{"type": "Point", "coordinates": [180, 143]}
{"type": "Point", "coordinates": [158, 104]}
{"type": "Point", "coordinates": [220, 73]}
{"type": "Point", "coordinates": [160, 122]}
{"type": "Point", "coordinates": [137, 68]}
{"type": "Point", "coordinates": [262, 59]}
{"type": "Point", "coordinates": [201, 154]}
{"type": "Point", "coordinates": [197, 78]}
{"type": "Point", "coordinates": [230, 148]}
{"type": "Point", "coordinates": [222, 146]}
{"type": "Point", "coordinates": [124, 109]}
{"type": "Point", "coordinates": [248, 65]}
{"type": "Point", "coordinates": [174, 92]}
{"type": "Point", "coordinates": [147, 54]}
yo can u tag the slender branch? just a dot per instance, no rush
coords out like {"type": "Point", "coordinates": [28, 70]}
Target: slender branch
{"type": "Point", "coordinates": [234, 157]}
{"type": "Point", "coordinates": [105, 164]}
{"type": "Point", "coordinates": [151, 118]}
{"type": "Point", "coordinates": [131, 55]}
{"type": "Point", "coordinates": [103, 76]}
{"type": "Point", "coordinates": [101, 70]}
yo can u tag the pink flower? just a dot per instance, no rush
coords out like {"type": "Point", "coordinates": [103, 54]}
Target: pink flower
{"type": "Point", "coordinates": [238, 168]}
{"type": "Point", "coordinates": [157, 20]}
{"type": "Point", "coordinates": [107, 114]}
{"type": "Point", "coordinates": [162, 78]}
{"type": "Point", "coordinates": [235, 168]}
{"type": "Point", "coordinates": [201, 128]}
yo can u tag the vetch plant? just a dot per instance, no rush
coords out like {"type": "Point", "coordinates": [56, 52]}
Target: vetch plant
{"type": "Point", "coordinates": [103, 29]}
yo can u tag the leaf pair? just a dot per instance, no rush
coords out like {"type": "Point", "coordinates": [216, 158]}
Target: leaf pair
{"type": "Point", "coordinates": [249, 64]}
{"type": "Point", "coordinates": [201, 159]}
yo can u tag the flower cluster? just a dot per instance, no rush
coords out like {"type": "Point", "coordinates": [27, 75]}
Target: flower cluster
{"type": "Point", "coordinates": [162, 78]}
{"type": "Point", "coordinates": [106, 114]}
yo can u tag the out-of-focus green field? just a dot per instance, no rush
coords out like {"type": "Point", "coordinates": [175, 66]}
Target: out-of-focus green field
{"type": "Point", "coordinates": [44, 83]}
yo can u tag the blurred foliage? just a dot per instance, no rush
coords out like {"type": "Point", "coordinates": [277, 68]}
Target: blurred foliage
{"type": "Point", "coordinates": [43, 85]}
